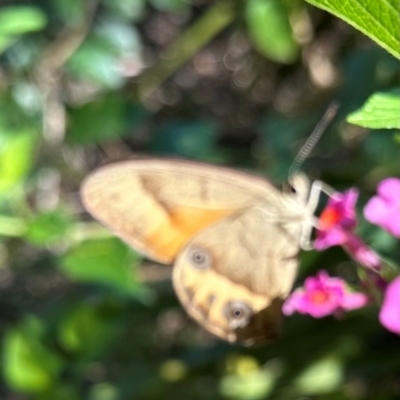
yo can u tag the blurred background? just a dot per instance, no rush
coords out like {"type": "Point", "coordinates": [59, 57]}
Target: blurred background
{"type": "Point", "coordinates": [239, 83]}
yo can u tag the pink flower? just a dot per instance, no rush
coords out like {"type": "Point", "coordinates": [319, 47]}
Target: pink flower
{"type": "Point", "coordinates": [322, 296]}
{"type": "Point", "coordinates": [384, 209]}
{"type": "Point", "coordinates": [336, 225]}
{"type": "Point", "coordinates": [360, 252]}
{"type": "Point", "coordinates": [389, 315]}
{"type": "Point", "coordinates": [337, 220]}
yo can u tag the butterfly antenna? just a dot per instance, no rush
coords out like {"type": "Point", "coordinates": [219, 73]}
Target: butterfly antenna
{"type": "Point", "coordinates": [312, 140]}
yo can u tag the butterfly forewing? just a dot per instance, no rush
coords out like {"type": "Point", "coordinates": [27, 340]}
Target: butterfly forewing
{"type": "Point", "coordinates": [158, 205]}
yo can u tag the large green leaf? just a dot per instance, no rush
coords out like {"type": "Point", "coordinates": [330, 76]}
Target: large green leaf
{"type": "Point", "coordinates": [106, 261]}
{"type": "Point", "coordinates": [380, 20]}
{"type": "Point", "coordinates": [381, 110]}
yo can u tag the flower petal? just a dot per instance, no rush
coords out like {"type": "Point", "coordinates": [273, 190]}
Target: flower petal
{"type": "Point", "coordinates": [290, 305]}
{"type": "Point", "coordinates": [354, 300]}
{"type": "Point", "coordinates": [376, 211]}
{"type": "Point", "coordinates": [389, 189]}
{"type": "Point", "coordinates": [392, 224]}
{"type": "Point", "coordinates": [336, 220]}
{"type": "Point", "coordinates": [332, 237]}
{"type": "Point", "coordinates": [384, 209]}
{"type": "Point", "coordinates": [389, 315]}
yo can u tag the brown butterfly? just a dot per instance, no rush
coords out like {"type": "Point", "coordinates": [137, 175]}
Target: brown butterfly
{"type": "Point", "coordinates": [233, 238]}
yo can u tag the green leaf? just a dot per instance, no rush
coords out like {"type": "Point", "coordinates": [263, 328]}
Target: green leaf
{"type": "Point", "coordinates": [254, 386]}
{"type": "Point", "coordinates": [98, 121]}
{"type": "Point", "coordinates": [324, 376]}
{"type": "Point", "coordinates": [270, 30]}
{"type": "Point", "coordinates": [48, 227]}
{"type": "Point", "coordinates": [21, 19]}
{"type": "Point", "coordinates": [104, 391]}
{"type": "Point", "coordinates": [15, 21]}
{"type": "Point", "coordinates": [123, 38]}
{"type": "Point", "coordinates": [380, 20]}
{"type": "Point", "coordinates": [381, 110]}
{"type": "Point", "coordinates": [27, 364]}
{"type": "Point", "coordinates": [106, 261]}
{"type": "Point", "coordinates": [246, 380]}
{"type": "Point", "coordinates": [97, 61]}
{"type": "Point", "coordinates": [16, 156]}
{"type": "Point", "coordinates": [86, 329]}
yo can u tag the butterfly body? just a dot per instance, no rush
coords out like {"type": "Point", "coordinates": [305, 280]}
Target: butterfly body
{"type": "Point", "coordinates": [233, 238]}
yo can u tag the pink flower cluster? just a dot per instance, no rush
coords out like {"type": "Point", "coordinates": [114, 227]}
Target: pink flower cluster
{"type": "Point", "coordinates": [323, 295]}
{"type": "Point", "coordinates": [336, 227]}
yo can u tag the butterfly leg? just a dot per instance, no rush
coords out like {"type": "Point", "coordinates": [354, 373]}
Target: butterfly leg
{"type": "Point", "coordinates": [317, 188]}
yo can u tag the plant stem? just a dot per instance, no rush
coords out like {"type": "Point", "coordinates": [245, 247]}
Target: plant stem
{"type": "Point", "coordinates": [189, 43]}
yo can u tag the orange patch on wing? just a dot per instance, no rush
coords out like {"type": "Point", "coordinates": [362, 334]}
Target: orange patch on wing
{"type": "Point", "coordinates": [191, 220]}
{"type": "Point", "coordinates": [183, 224]}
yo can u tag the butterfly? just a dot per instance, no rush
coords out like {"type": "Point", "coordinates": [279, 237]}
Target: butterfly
{"type": "Point", "coordinates": [233, 238]}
